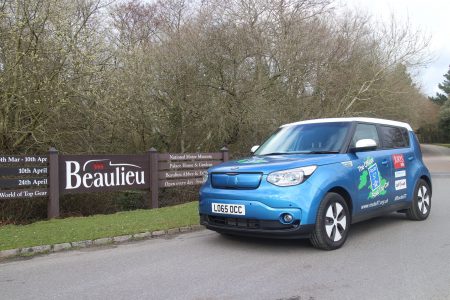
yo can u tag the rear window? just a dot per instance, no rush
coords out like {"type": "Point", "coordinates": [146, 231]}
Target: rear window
{"type": "Point", "coordinates": [393, 137]}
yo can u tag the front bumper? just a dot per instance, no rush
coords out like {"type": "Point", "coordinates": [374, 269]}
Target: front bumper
{"type": "Point", "coordinates": [256, 227]}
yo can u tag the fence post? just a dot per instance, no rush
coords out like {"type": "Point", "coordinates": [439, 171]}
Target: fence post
{"type": "Point", "coordinates": [53, 184]}
{"type": "Point", "coordinates": [225, 155]}
{"type": "Point", "coordinates": [152, 198]}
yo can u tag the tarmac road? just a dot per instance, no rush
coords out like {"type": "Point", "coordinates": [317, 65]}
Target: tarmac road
{"type": "Point", "coordinates": [384, 258]}
{"type": "Point", "coordinates": [437, 158]}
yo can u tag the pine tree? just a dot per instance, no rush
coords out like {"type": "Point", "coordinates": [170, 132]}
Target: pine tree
{"type": "Point", "coordinates": [445, 87]}
{"type": "Point", "coordinates": [444, 122]}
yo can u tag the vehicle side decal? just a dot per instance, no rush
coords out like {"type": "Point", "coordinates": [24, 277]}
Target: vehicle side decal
{"type": "Point", "coordinates": [399, 161]}
{"type": "Point", "coordinates": [378, 184]}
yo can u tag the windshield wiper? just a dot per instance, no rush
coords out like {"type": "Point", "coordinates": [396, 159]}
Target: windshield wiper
{"type": "Point", "coordinates": [274, 153]}
{"type": "Point", "coordinates": [299, 152]}
{"type": "Point", "coordinates": [320, 152]}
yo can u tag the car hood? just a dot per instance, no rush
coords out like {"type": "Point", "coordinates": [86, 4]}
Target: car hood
{"type": "Point", "coordinates": [271, 163]}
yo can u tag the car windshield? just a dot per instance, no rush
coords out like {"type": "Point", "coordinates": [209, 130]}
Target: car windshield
{"type": "Point", "coordinates": [306, 138]}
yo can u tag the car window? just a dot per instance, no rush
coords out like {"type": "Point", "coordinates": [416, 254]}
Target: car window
{"type": "Point", "coordinates": [365, 131]}
{"type": "Point", "coordinates": [392, 137]}
{"type": "Point", "coordinates": [304, 138]}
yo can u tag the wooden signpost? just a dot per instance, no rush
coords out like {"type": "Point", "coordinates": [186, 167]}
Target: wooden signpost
{"type": "Point", "coordinates": [54, 175]}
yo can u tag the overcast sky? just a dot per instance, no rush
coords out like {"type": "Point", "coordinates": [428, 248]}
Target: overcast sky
{"type": "Point", "coordinates": [431, 17]}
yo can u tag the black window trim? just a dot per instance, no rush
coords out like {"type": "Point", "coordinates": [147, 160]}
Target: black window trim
{"type": "Point", "coordinates": [408, 141]}
{"type": "Point", "coordinates": [348, 139]}
{"type": "Point", "coordinates": [352, 132]}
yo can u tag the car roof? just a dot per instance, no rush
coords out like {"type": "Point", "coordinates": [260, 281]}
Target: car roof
{"type": "Point", "coordinates": [353, 119]}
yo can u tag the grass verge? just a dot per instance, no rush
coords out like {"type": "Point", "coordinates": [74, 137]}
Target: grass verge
{"type": "Point", "coordinates": [445, 145]}
{"type": "Point", "coordinates": [99, 226]}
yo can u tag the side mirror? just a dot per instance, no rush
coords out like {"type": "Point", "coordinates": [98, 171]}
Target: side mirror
{"type": "Point", "coordinates": [364, 145]}
{"type": "Point", "coordinates": [254, 148]}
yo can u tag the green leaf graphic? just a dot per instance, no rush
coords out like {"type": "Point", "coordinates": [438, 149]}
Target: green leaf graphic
{"type": "Point", "coordinates": [363, 179]}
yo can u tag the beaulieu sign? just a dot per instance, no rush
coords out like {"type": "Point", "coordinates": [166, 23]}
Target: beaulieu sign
{"type": "Point", "coordinates": [79, 174]}
{"type": "Point", "coordinates": [54, 175]}
{"type": "Point", "coordinates": [97, 178]}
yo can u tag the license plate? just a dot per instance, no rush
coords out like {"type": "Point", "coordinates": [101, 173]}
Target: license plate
{"type": "Point", "coordinates": [228, 209]}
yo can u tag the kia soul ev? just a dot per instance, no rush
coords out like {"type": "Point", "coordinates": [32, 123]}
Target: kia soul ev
{"type": "Point", "coordinates": [313, 179]}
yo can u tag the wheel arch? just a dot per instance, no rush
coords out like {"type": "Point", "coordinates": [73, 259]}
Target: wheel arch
{"type": "Point", "coordinates": [428, 181]}
{"type": "Point", "coordinates": [345, 194]}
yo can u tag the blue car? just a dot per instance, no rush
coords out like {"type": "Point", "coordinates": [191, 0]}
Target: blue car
{"type": "Point", "coordinates": [313, 179]}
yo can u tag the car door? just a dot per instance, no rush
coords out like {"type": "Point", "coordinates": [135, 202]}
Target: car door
{"type": "Point", "coordinates": [373, 171]}
{"type": "Point", "coordinates": [396, 141]}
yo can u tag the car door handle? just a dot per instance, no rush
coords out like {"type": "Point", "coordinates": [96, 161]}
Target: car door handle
{"type": "Point", "coordinates": [410, 158]}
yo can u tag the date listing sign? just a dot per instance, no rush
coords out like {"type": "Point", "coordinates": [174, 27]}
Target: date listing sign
{"type": "Point", "coordinates": [23, 176]}
{"type": "Point", "coordinates": [23, 159]}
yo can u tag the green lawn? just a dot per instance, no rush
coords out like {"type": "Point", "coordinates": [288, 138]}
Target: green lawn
{"type": "Point", "coordinates": [87, 228]}
{"type": "Point", "coordinates": [445, 145]}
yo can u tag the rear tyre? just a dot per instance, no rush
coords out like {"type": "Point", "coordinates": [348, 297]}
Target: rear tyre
{"type": "Point", "coordinates": [421, 204]}
{"type": "Point", "coordinates": [332, 223]}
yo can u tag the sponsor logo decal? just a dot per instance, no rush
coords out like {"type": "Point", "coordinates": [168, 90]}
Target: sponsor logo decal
{"type": "Point", "coordinates": [369, 171]}
{"type": "Point", "coordinates": [375, 204]}
{"type": "Point", "coordinates": [401, 173]}
{"type": "Point", "coordinates": [400, 184]}
{"type": "Point", "coordinates": [399, 162]}
{"type": "Point", "coordinates": [347, 164]}
{"type": "Point", "coordinates": [93, 174]}
{"type": "Point", "coordinates": [374, 176]}
{"type": "Point", "coordinates": [401, 197]}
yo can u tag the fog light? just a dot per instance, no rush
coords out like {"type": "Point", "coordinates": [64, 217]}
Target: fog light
{"type": "Point", "coordinates": [287, 218]}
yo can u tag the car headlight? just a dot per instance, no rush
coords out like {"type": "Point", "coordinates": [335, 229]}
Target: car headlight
{"type": "Point", "coordinates": [205, 177]}
{"type": "Point", "coordinates": [290, 177]}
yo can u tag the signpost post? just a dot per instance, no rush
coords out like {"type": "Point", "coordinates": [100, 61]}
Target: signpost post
{"type": "Point", "coordinates": [53, 199]}
{"type": "Point", "coordinates": [154, 191]}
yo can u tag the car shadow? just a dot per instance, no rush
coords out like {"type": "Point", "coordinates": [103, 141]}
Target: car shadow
{"type": "Point", "coordinates": [253, 243]}
{"type": "Point", "coordinates": [357, 230]}
{"type": "Point", "coordinates": [377, 224]}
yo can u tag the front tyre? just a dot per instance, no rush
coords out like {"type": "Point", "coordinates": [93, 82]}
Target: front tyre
{"type": "Point", "coordinates": [332, 224]}
{"type": "Point", "coordinates": [421, 204]}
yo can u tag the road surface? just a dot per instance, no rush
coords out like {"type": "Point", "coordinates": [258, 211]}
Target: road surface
{"type": "Point", "coordinates": [385, 258]}
{"type": "Point", "coordinates": [437, 158]}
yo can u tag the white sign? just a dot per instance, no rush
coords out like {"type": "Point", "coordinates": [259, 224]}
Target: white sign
{"type": "Point", "coordinates": [401, 173]}
{"type": "Point", "coordinates": [400, 184]}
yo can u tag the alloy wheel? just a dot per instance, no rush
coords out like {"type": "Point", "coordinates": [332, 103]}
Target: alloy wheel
{"type": "Point", "coordinates": [335, 221]}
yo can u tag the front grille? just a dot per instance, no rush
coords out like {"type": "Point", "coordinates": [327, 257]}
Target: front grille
{"type": "Point", "coordinates": [234, 222]}
{"type": "Point", "coordinates": [236, 181]}
{"type": "Point", "coordinates": [248, 223]}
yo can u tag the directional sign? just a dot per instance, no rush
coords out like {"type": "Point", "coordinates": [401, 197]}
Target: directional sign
{"type": "Point", "coordinates": [189, 156]}
{"type": "Point", "coordinates": [180, 182]}
{"type": "Point", "coordinates": [187, 165]}
{"type": "Point", "coordinates": [181, 174]}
